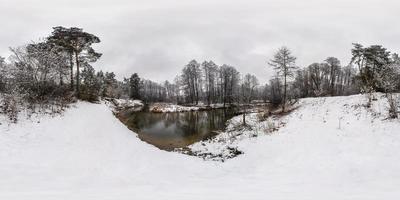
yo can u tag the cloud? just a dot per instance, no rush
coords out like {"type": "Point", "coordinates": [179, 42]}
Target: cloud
{"type": "Point", "coordinates": [157, 38]}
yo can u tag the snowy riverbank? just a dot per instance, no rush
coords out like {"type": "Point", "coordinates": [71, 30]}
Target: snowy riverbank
{"type": "Point", "coordinates": [166, 107]}
{"type": "Point", "coordinates": [329, 148]}
{"type": "Point", "coordinates": [169, 107]}
{"type": "Point", "coordinates": [314, 117]}
{"type": "Point", "coordinates": [126, 104]}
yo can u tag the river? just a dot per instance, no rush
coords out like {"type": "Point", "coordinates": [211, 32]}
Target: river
{"type": "Point", "coordinates": [169, 131]}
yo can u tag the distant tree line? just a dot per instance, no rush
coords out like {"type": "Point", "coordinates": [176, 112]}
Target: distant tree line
{"type": "Point", "coordinates": [205, 83]}
{"type": "Point", "coordinates": [372, 69]}
{"type": "Point", "coordinates": [58, 69]}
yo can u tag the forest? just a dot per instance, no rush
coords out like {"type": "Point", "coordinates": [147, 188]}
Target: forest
{"type": "Point", "coordinates": [57, 70]}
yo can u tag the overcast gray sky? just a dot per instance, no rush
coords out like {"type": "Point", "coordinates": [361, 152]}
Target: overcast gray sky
{"type": "Point", "coordinates": [156, 38]}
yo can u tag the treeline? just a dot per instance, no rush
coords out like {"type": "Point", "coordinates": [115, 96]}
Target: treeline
{"type": "Point", "coordinates": [372, 69]}
{"type": "Point", "coordinates": [57, 70]}
{"type": "Point", "coordinates": [205, 83]}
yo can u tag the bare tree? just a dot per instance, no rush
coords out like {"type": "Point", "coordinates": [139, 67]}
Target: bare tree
{"type": "Point", "coordinates": [388, 79]}
{"type": "Point", "coordinates": [284, 63]}
{"type": "Point", "coordinates": [3, 73]}
{"type": "Point", "coordinates": [210, 75]}
{"type": "Point", "coordinates": [191, 79]}
{"type": "Point", "coordinates": [334, 68]}
{"type": "Point", "coordinates": [248, 90]}
{"type": "Point", "coordinates": [229, 83]}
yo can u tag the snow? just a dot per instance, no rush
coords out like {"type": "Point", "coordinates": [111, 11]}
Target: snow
{"type": "Point", "coordinates": [88, 154]}
{"type": "Point", "coordinates": [167, 107]}
{"type": "Point", "coordinates": [170, 107]}
{"type": "Point", "coordinates": [135, 105]}
{"type": "Point", "coordinates": [225, 144]}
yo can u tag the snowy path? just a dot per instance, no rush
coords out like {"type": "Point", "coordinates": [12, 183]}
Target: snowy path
{"type": "Point", "coordinates": [89, 154]}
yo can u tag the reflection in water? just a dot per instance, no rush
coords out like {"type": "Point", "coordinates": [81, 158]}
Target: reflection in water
{"type": "Point", "coordinates": [175, 130]}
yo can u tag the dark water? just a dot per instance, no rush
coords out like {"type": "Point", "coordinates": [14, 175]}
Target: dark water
{"type": "Point", "coordinates": [168, 131]}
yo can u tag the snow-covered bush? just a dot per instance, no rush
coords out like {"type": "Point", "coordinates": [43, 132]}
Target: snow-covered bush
{"type": "Point", "coordinates": [9, 105]}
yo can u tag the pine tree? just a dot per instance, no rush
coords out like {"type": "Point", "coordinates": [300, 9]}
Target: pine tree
{"type": "Point", "coordinates": [134, 86]}
{"type": "Point", "coordinates": [77, 43]}
{"type": "Point", "coordinates": [90, 84]}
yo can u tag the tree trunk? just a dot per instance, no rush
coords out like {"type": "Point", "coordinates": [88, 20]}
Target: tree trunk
{"type": "Point", "coordinates": [77, 75]}
{"type": "Point", "coordinates": [61, 79]}
{"type": "Point", "coordinates": [71, 62]}
{"type": "Point", "coordinates": [285, 73]}
{"type": "Point", "coordinates": [284, 94]}
{"type": "Point", "coordinates": [332, 82]}
{"type": "Point", "coordinates": [244, 115]}
{"type": "Point", "coordinates": [197, 93]}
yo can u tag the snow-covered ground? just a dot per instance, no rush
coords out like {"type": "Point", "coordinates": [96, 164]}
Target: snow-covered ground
{"type": "Point", "coordinates": [169, 107]}
{"type": "Point", "coordinates": [127, 104]}
{"type": "Point", "coordinates": [329, 148]}
{"type": "Point", "coordinates": [225, 145]}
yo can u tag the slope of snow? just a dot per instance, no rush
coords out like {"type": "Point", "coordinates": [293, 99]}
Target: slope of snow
{"type": "Point", "coordinates": [88, 154]}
